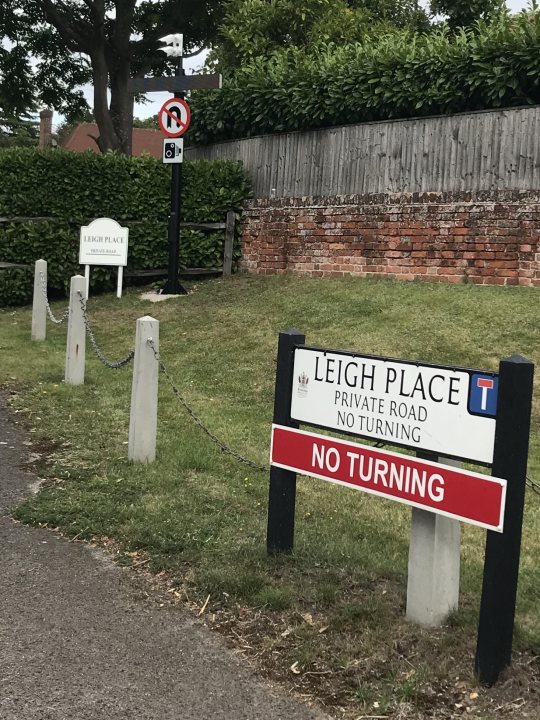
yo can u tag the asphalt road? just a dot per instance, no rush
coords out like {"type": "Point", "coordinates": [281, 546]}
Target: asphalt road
{"type": "Point", "coordinates": [78, 640]}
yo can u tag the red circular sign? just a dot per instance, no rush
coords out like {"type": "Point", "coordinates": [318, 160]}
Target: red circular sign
{"type": "Point", "coordinates": [174, 117]}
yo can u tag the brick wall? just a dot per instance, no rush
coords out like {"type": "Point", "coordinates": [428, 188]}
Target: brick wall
{"type": "Point", "coordinates": [485, 238]}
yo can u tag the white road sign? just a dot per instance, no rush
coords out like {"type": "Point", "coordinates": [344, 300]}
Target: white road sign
{"type": "Point", "coordinates": [173, 150]}
{"type": "Point", "coordinates": [103, 242]}
{"type": "Point", "coordinates": [441, 410]}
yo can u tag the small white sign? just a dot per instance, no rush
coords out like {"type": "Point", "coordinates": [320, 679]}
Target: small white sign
{"type": "Point", "coordinates": [445, 411]}
{"type": "Point", "coordinates": [173, 150]}
{"type": "Point", "coordinates": [103, 242]}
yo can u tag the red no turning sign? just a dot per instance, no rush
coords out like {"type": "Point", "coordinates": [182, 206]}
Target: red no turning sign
{"type": "Point", "coordinates": [174, 117]}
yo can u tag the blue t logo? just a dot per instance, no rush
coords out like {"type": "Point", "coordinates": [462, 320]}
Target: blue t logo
{"type": "Point", "coordinates": [483, 393]}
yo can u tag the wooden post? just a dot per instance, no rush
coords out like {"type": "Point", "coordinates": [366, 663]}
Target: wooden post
{"type": "Point", "coordinates": [501, 565]}
{"type": "Point", "coordinates": [228, 244]}
{"type": "Point", "coordinates": [144, 393]}
{"type": "Point", "coordinates": [282, 491]}
{"type": "Point", "coordinates": [76, 334]}
{"type": "Point", "coordinates": [39, 307]}
{"type": "Point", "coordinates": [87, 281]}
{"type": "Point", "coordinates": [434, 563]}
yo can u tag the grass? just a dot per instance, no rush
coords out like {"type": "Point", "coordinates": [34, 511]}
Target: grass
{"type": "Point", "coordinates": [335, 607]}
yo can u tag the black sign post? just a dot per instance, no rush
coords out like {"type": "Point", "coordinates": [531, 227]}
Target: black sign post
{"type": "Point", "coordinates": [178, 85]}
{"type": "Point", "coordinates": [173, 285]}
{"type": "Point", "coordinates": [501, 565]}
{"type": "Point", "coordinates": [282, 491]}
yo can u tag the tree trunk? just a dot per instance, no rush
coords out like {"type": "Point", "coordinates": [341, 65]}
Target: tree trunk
{"type": "Point", "coordinates": [108, 139]}
{"type": "Point", "coordinates": [121, 107]}
{"type": "Point", "coordinates": [108, 43]}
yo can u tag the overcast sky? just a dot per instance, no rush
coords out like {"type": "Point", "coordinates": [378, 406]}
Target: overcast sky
{"type": "Point", "coordinates": [157, 99]}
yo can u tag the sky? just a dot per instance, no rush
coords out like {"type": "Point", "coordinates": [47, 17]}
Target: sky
{"type": "Point", "coordinates": [192, 66]}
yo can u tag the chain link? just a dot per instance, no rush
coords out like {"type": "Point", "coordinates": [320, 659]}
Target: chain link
{"type": "Point", "coordinates": [56, 321]}
{"type": "Point", "coordinates": [222, 446]}
{"type": "Point", "coordinates": [99, 354]}
{"type": "Point", "coordinates": [535, 487]}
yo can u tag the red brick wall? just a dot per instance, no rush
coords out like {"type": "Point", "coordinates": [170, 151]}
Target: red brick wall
{"type": "Point", "coordinates": [485, 238]}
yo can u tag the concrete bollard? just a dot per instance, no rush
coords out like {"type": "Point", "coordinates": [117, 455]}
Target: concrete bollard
{"type": "Point", "coordinates": [39, 307]}
{"type": "Point", "coordinates": [144, 393]}
{"type": "Point", "coordinates": [434, 564]}
{"type": "Point", "coordinates": [76, 334]}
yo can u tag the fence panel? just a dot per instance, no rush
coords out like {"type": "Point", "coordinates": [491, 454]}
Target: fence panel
{"type": "Point", "coordinates": [487, 150]}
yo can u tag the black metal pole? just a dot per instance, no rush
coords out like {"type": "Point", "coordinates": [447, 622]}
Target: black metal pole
{"type": "Point", "coordinates": [501, 565]}
{"type": "Point", "coordinates": [173, 286]}
{"type": "Point", "coordinates": [282, 491]}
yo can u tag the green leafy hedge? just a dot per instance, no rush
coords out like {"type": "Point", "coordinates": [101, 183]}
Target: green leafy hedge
{"type": "Point", "coordinates": [399, 75]}
{"type": "Point", "coordinates": [76, 188]}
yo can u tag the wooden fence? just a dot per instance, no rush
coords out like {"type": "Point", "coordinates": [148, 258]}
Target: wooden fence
{"type": "Point", "coordinates": [482, 151]}
{"type": "Point", "coordinates": [228, 245]}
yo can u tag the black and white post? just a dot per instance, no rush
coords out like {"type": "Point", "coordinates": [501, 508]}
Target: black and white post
{"type": "Point", "coordinates": [173, 286]}
{"type": "Point", "coordinates": [282, 491]}
{"type": "Point", "coordinates": [176, 114]}
{"type": "Point", "coordinates": [501, 565]}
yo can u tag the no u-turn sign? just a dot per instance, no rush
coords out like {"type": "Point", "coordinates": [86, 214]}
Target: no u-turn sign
{"type": "Point", "coordinates": [174, 117]}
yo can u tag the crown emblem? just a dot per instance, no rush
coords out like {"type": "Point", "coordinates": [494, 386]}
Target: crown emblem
{"type": "Point", "coordinates": [303, 381]}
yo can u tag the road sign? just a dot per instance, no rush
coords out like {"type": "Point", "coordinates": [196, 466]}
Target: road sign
{"type": "Point", "coordinates": [438, 409]}
{"type": "Point", "coordinates": [174, 117]}
{"type": "Point", "coordinates": [483, 395]}
{"type": "Point", "coordinates": [447, 490]}
{"type": "Point", "coordinates": [103, 242]}
{"type": "Point", "coordinates": [173, 150]}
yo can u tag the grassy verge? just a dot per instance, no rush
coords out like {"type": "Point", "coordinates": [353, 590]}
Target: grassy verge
{"type": "Point", "coordinates": [330, 617]}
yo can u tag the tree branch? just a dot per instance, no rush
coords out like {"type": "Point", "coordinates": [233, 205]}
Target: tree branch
{"type": "Point", "coordinates": [197, 52]}
{"type": "Point", "coordinates": [96, 12]}
{"type": "Point", "coordinates": [67, 30]}
{"type": "Point", "coordinates": [125, 10]}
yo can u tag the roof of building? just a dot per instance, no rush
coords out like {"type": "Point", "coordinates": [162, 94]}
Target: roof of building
{"type": "Point", "coordinates": [144, 140]}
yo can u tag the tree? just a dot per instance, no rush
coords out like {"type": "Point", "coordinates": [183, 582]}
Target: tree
{"type": "Point", "coordinates": [258, 28]}
{"type": "Point", "coordinates": [399, 13]}
{"type": "Point", "coordinates": [112, 41]}
{"type": "Point", "coordinates": [463, 13]}
{"type": "Point", "coordinates": [18, 131]}
{"type": "Point", "coordinates": [26, 81]}
{"type": "Point", "coordinates": [150, 123]}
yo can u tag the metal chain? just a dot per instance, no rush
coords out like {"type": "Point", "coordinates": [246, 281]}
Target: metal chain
{"type": "Point", "coordinates": [225, 448]}
{"type": "Point", "coordinates": [535, 487]}
{"type": "Point", "coordinates": [99, 354]}
{"type": "Point", "coordinates": [56, 321]}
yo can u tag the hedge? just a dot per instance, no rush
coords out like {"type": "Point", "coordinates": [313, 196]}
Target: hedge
{"type": "Point", "coordinates": [75, 188]}
{"type": "Point", "coordinates": [399, 75]}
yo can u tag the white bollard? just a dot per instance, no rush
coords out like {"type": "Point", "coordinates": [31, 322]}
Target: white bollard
{"type": "Point", "coordinates": [434, 563]}
{"type": "Point", "coordinates": [76, 334]}
{"type": "Point", "coordinates": [144, 393]}
{"type": "Point", "coordinates": [39, 308]}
